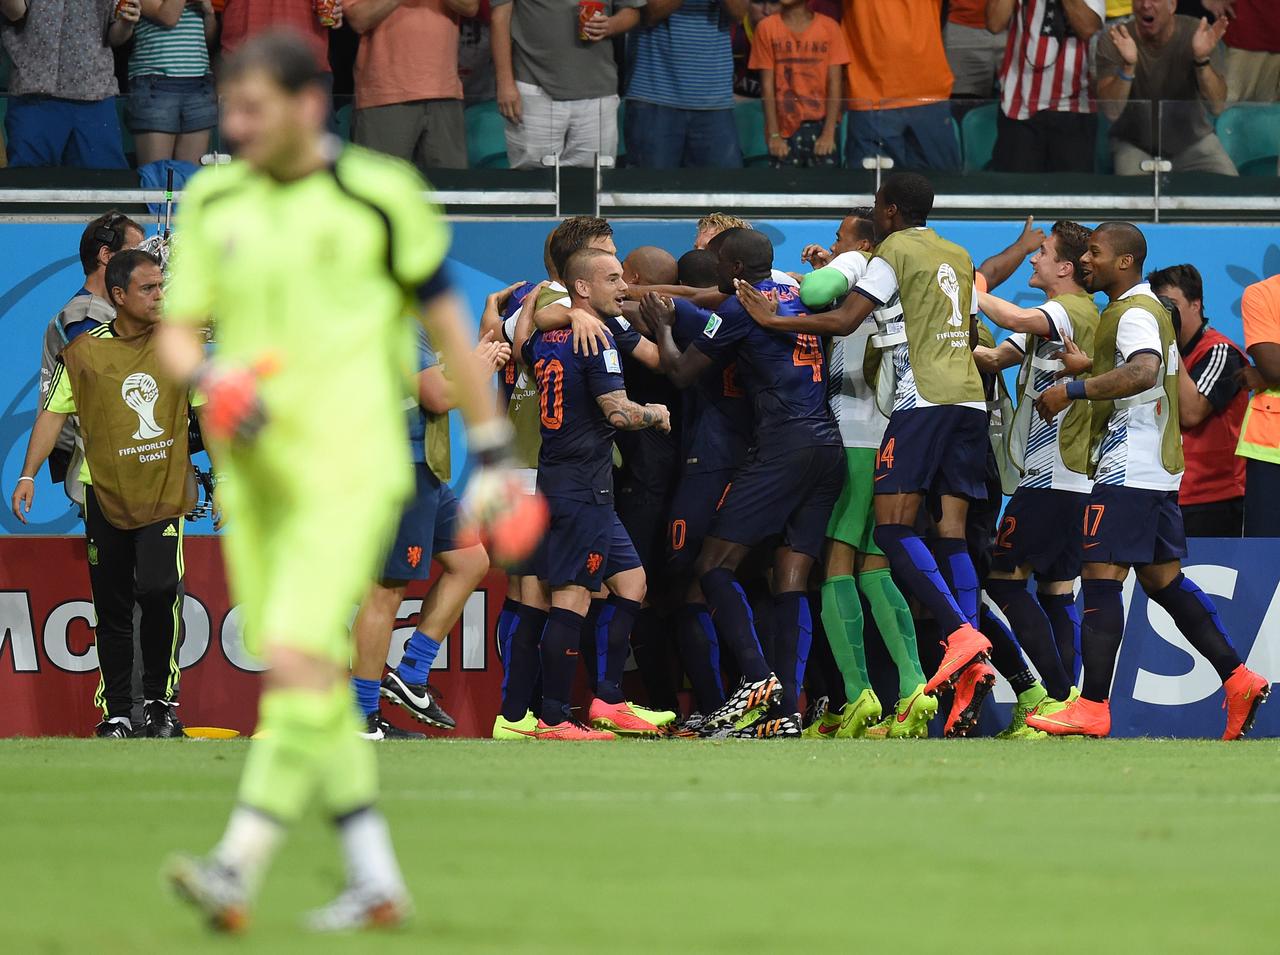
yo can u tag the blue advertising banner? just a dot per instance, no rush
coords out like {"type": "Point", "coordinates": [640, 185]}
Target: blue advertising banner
{"type": "Point", "coordinates": [44, 272]}
{"type": "Point", "coordinates": [1164, 688]}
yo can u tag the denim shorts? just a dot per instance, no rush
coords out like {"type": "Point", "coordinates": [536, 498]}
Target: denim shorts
{"type": "Point", "coordinates": [171, 104]}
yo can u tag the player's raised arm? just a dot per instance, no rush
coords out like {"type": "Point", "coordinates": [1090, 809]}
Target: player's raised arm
{"type": "Point", "coordinates": [1014, 317]}
{"type": "Point", "coordinates": [525, 328]}
{"type": "Point", "coordinates": [992, 360]}
{"type": "Point", "coordinates": [494, 303]}
{"type": "Point", "coordinates": [997, 268]}
{"type": "Point", "coordinates": [708, 297]}
{"type": "Point", "coordinates": [842, 320]}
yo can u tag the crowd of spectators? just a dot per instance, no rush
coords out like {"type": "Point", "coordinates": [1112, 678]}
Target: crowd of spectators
{"type": "Point", "coordinates": [840, 82]}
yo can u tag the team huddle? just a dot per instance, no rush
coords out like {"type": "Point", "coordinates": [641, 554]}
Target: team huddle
{"type": "Point", "coordinates": [740, 457]}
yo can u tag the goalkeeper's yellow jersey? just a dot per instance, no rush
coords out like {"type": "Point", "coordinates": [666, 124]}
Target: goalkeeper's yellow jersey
{"type": "Point", "coordinates": [316, 276]}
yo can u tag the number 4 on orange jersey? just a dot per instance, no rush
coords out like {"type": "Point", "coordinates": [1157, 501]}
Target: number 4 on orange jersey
{"type": "Point", "coordinates": [808, 352]}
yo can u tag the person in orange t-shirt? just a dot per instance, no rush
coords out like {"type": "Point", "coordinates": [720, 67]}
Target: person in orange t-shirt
{"type": "Point", "coordinates": [1260, 436]}
{"type": "Point", "coordinates": [800, 56]}
{"type": "Point", "coordinates": [408, 92]}
{"type": "Point", "coordinates": [899, 82]}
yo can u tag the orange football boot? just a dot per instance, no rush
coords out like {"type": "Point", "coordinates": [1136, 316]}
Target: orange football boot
{"type": "Point", "coordinates": [964, 646]}
{"type": "Point", "coordinates": [570, 730]}
{"type": "Point", "coordinates": [1080, 718]}
{"type": "Point", "coordinates": [1246, 691]}
{"type": "Point", "coordinates": [628, 719]}
{"type": "Point", "coordinates": [971, 690]}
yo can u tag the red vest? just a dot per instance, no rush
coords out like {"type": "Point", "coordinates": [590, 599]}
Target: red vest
{"type": "Point", "coordinates": [1213, 473]}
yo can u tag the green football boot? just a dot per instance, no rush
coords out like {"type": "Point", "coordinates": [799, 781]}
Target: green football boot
{"type": "Point", "coordinates": [879, 730]}
{"type": "Point", "coordinates": [858, 715]}
{"type": "Point", "coordinates": [1051, 706]}
{"type": "Point", "coordinates": [824, 727]}
{"type": "Point", "coordinates": [524, 728]}
{"type": "Point", "coordinates": [911, 716]}
{"type": "Point", "coordinates": [1028, 700]}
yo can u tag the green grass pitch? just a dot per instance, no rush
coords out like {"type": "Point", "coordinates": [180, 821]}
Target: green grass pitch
{"type": "Point", "coordinates": [655, 847]}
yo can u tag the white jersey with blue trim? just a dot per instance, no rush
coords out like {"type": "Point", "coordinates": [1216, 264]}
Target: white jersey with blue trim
{"type": "Point", "coordinates": [852, 400]}
{"type": "Point", "coordinates": [1043, 466]}
{"type": "Point", "coordinates": [1131, 453]}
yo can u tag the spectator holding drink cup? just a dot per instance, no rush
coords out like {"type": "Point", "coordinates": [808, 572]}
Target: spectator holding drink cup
{"type": "Point", "coordinates": [556, 77]}
{"type": "Point", "coordinates": [62, 83]}
{"type": "Point", "coordinates": [310, 19]}
{"type": "Point", "coordinates": [592, 23]}
{"type": "Point", "coordinates": [329, 13]}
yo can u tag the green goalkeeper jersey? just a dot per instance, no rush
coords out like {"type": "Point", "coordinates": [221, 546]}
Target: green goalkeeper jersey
{"type": "Point", "coordinates": [317, 277]}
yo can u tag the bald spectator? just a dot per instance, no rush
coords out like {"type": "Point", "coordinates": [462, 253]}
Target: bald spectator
{"type": "Point", "coordinates": [558, 92]}
{"type": "Point", "coordinates": [1046, 121]}
{"type": "Point", "coordinates": [408, 93]}
{"type": "Point", "coordinates": [1252, 63]}
{"type": "Point", "coordinates": [1159, 78]}
{"type": "Point", "coordinates": [62, 86]}
{"type": "Point", "coordinates": [1260, 437]}
{"type": "Point", "coordinates": [898, 85]}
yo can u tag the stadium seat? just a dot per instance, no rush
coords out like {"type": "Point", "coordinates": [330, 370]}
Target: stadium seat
{"type": "Point", "coordinates": [749, 115]}
{"type": "Point", "coordinates": [342, 122]}
{"type": "Point", "coordinates": [486, 139]}
{"type": "Point", "coordinates": [1250, 133]}
{"type": "Point", "coordinates": [978, 136]}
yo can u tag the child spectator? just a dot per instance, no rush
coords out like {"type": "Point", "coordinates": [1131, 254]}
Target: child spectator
{"type": "Point", "coordinates": [172, 104]}
{"type": "Point", "coordinates": [801, 56]}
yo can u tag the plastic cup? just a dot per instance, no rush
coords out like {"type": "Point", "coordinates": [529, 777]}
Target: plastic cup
{"type": "Point", "coordinates": [586, 10]}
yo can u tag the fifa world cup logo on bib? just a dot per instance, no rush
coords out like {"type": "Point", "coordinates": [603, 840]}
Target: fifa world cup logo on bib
{"type": "Point", "coordinates": [140, 392]}
{"type": "Point", "coordinates": [950, 285]}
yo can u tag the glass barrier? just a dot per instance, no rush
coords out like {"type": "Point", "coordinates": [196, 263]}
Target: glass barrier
{"type": "Point", "coordinates": [1223, 166]}
{"type": "Point", "coordinates": [1140, 157]}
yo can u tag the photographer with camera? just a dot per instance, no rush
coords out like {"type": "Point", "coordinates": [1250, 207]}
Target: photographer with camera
{"type": "Point", "coordinates": [138, 484]}
{"type": "Point", "coordinates": [1046, 121]}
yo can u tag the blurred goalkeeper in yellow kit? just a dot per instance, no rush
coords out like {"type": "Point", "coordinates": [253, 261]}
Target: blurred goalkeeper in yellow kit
{"type": "Point", "coordinates": [306, 256]}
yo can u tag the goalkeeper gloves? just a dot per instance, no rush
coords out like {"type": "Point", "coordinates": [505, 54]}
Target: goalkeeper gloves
{"type": "Point", "coordinates": [501, 514]}
{"type": "Point", "coordinates": [233, 410]}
